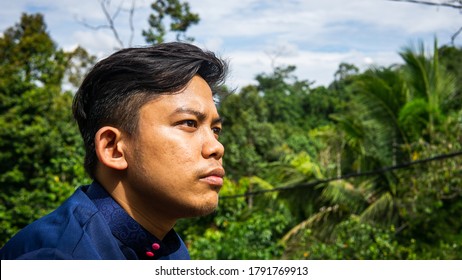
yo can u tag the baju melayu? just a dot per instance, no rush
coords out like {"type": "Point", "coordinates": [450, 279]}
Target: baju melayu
{"type": "Point", "coordinates": [91, 225]}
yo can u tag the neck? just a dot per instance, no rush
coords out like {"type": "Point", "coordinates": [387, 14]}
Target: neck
{"type": "Point", "coordinates": [147, 217]}
{"type": "Point", "coordinates": [143, 212]}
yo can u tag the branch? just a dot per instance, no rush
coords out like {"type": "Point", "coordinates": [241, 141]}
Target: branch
{"type": "Point", "coordinates": [275, 53]}
{"type": "Point", "coordinates": [431, 3]}
{"type": "Point", "coordinates": [94, 27]}
{"type": "Point", "coordinates": [447, 4]}
{"type": "Point", "coordinates": [130, 21]}
{"type": "Point", "coordinates": [111, 19]}
{"type": "Point", "coordinates": [453, 37]}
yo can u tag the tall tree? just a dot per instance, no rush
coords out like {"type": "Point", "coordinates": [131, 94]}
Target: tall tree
{"type": "Point", "coordinates": [40, 147]}
{"type": "Point", "coordinates": [168, 16]}
{"type": "Point", "coordinates": [249, 138]}
{"type": "Point", "coordinates": [175, 12]}
{"type": "Point", "coordinates": [392, 111]}
{"type": "Point", "coordinates": [432, 90]}
{"type": "Point", "coordinates": [451, 60]}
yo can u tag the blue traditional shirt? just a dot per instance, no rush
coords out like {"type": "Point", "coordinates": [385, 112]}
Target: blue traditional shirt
{"type": "Point", "coordinates": [91, 225]}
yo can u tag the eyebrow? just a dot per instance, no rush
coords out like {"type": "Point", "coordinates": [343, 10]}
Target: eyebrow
{"type": "Point", "coordinates": [199, 115]}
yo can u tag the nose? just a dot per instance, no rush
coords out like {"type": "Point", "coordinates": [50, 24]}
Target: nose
{"type": "Point", "coordinates": [212, 148]}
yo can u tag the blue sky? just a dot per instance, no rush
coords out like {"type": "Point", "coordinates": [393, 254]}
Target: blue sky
{"type": "Point", "coordinates": [315, 36]}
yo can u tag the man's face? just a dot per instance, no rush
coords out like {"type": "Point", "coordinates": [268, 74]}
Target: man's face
{"type": "Point", "coordinates": [175, 159]}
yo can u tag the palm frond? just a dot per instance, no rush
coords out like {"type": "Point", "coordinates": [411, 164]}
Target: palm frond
{"type": "Point", "coordinates": [322, 222]}
{"type": "Point", "coordinates": [344, 193]}
{"type": "Point", "coordinates": [381, 210]}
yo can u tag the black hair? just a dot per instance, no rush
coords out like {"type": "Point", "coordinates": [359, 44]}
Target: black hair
{"type": "Point", "coordinates": [117, 87]}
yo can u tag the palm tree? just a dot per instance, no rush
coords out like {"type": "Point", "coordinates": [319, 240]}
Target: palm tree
{"type": "Point", "coordinates": [432, 90]}
{"type": "Point", "coordinates": [390, 109]}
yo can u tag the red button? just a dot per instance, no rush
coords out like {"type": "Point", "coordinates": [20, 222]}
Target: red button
{"type": "Point", "coordinates": [155, 246]}
{"type": "Point", "coordinates": [150, 254]}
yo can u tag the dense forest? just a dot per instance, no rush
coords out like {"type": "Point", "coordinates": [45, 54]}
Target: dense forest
{"type": "Point", "coordinates": [369, 167]}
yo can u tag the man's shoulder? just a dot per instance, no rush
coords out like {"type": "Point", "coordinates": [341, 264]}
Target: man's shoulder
{"type": "Point", "coordinates": [73, 214]}
{"type": "Point", "coordinates": [58, 234]}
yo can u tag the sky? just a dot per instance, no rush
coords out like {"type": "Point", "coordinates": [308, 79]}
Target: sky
{"type": "Point", "coordinates": [257, 35]}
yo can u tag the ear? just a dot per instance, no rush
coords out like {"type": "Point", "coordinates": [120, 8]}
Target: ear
{"type": "Point", "coordinates": [109, 147]}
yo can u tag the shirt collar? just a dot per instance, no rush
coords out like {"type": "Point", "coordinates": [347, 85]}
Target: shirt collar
{"type": "Point", "coordinates": [128, 231]}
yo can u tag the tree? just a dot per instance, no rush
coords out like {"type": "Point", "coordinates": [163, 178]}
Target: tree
{"type": "Point", "coordinates": [249, 138]}
{"type": "Point", "coordinates": [40, 147]}
{"type": "Point", "coordinates": [267, 121]}
{"type": "Point", "coordinates": [239, 230]}
{"type": "Point", "coordinates": [111, 17]}
{"type": "Point", "coordinates": [451, 60]}
{"type": "Point", "coordinates": [432, 90]}
{"type": "Point", "coordinates": [397, 114]}
{"type": "Point", "coordinates": [173, 11]}
{"type": "Point", "coordinates": [78, 62]}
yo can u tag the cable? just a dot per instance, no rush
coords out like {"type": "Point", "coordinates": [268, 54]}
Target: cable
{"type": "Point", "coordinates": [456, 6]}
{"type": "Point", "coordinates": [350, 175]}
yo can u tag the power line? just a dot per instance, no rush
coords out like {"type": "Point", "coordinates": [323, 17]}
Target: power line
{"type": "Point", "coordinates": [443, 4]}
{"type": "Point", "coordinates": [347, 176]}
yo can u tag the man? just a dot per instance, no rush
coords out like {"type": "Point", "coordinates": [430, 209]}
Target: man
{"type": "Point", "coordinates": [150, 129]}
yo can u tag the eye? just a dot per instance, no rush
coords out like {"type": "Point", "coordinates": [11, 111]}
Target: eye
{"type": "Point", "coordinates": [216, 130]}
{"type": "Point", "coordinates": [189, 123]}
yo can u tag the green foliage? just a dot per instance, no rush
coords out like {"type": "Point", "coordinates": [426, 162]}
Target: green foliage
{"type": "Point", "coordinates": [405, 214]}
{"type": "Point", "coordinates": [278, 133]}
{"type": "Point", "coordinates": [249, 138]}
{"type": "Point", "coordinates": [175, 12]}
{"type": "Point", "coordinates": [255, 237]}
{"type": "Point", "coordinates": [41, 150]}
{"type": "Point", "coordinates": [79, 62]}
{"type": "Point", "coordinates": [432, 197]}
{"type": "Point", "coordinates": [383, 117]}
{"type": "Point", "coordinates": [267, 122]}
{"type": "Point", "coordinates": [451, 61]}
{"type": "Point", "coordinates": [353, 240]}
{"type": "Point", "coordinates": [240, 229]}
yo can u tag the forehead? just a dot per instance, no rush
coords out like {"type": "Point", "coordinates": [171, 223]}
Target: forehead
{"type": "Point", "coordinates": [196, 96]}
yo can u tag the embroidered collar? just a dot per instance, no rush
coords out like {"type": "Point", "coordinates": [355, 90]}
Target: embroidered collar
{"type": "Point", "coordinates": [128, 231]}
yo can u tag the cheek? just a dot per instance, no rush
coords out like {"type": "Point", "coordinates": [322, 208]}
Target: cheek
{"type": "Point", "coordinates": [175, 151]}
{"type": "Point", "coordinates": [184, 161]}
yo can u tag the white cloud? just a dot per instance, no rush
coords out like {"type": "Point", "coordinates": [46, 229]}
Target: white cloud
{"type": "Point", "coordinates": [213, 43]}
{"type": "Point", "coordinates": [100, 42]}
{"type": "Point", "coordinates": [316, 36]}
{"type": "Point", "coordinates": [317, 67]}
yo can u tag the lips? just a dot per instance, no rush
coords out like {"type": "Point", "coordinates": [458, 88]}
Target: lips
{"type": "Point", "coordinates": [214, 177]}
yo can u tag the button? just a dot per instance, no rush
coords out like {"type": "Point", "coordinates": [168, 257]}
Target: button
{"type": "Point", "coordinates": [150, 254]}
{"type": "Point", "coordinates": [155, 246]}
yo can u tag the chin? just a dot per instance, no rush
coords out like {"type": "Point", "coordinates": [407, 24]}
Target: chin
{"type": "Point", "coordinates": [204, 209]}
